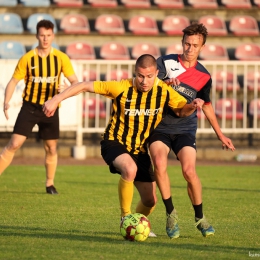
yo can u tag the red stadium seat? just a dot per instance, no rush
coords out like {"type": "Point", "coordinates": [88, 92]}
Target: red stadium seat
{"type": "Point", "coordinates": [89, 75]}
{"type": "Point", "coordinates": [103, 3]}
{"type": "Point", "coordinates": [109, 24]}
{"type": "Point", "coordinates": [244, 4]}
{"type": "Point", "coordinates": [69, 3]}
{"type": "Point", "coordinates": [143, 25]}
{"type": "Point", "coordinates": [203, 3]}
{"type": "Point", "coordinates": [254, 107]}
{"type": "Point", "coordinates": [174, 49]}
{"type": "Point", "coordinates": [136, 3]}
{"type": "Point", "coordinates": [169, 3]}
{"type": "Point", "coordinates": [145, 48]}
{"type": "Point", "coordinates": [200, 113]}
{"type": "Point", "coordinates": [214, 52]}
{"type": "Point", "coordinates": [90, 106]}
{"type": "Point", "coordinates": [75, 24]}
{"type": "Point", "coordinates": [114, 51]}
{"type": "Point", "coordinates": [244, 25]}
{"type": "Point", "coordinates": [225, 107]}
{"type": "Point", "coordinates": [253, 80]}
{"type": "Point", "coordinates": [118, 75]}
{"type": "Point", "coordinates": [174, 24]}
{"type": "Point", "coordinates": [247, 51]}
{"type": "Point", "coordinates": [257, 2]}
{"type": "Point", "coordinates": [215, 25]}
{"type": "Point", "coordinates": [225, 79]}
{"type": "Point", "coordinates": [80, 50]}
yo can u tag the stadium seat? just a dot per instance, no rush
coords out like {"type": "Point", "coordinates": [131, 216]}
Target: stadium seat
{"type": "Point", "coordinates": [11, 50]}
{"type": "Point", "coordinates": [54, 45]}
{"type": "Point", "coordinates": [35, 2]}
{"type": "Point", "coordinates": [136, 3]}
{"type": "Point", "coordinates": [69, 3]}
{"type": "Point", "coordinates": [225, 79]}
{"type": "Point", "coordinates": [169, 3]}
{"type": "Point", "coordinates": [103, 3]}
{"type": "Point", "coordinates": [109, 24]}
{"type": "Point", "coordinates": [257, 2]}
{"type": "Point", "coordinates": [225, 107]}
{"type": "Point", "coordinates": [253, 79]}
{"type": "Point", "coordinates": [247, 51]}
{"type": "Point", "coordinates": [174, 49]}
{"type": "Point", "coordinates": [33, 19]}
{"type": "Point", "coordinates": [244, 25]}
{"type": "Point", "coordinates": [11, 23]}
{"type": "Point", "coordinates": [215, 25]}
{"type": "Point", "coordinates": [174, 24]}
{"type": "Point", "coordinates": [118, 75]}
{"type": "Point", "coordinates": [254, 107]}
{"type": "Point", "coordinates": [8, 2]}
{"type": "Point", "coordinates": [143, 25]}
{"type": "Point", "coordinates": [80, 50]}
{"type": "Point", "coordinates": [203, 3]}
{"type": "Point", "coordinates": [200, 113]}
{"type": "Point", "coordinates": [145, 48]}
{"type": "Point", "coordinates": [89, 75]}
{"type": "Point", "coordinates": [244, 4]}
{"type": "Point", "coordinates": [92, 104]}
{"type": "Point", "coordinates": [114, 51]}
{"type": "Point", "coordinates": [74, 24]}
{"type": "Point", "coordinates": [214, 52]}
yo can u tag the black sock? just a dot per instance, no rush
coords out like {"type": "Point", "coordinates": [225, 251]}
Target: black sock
{"type": "Point", "coordinates": [168, 205]}
{"type": "Point", "coordinates": [198, 211]}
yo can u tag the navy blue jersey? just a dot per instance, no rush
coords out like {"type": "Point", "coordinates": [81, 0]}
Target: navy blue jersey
{"type": "Point", "coordinates": [195, 82]}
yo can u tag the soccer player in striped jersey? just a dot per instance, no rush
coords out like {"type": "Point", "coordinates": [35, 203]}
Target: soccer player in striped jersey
{"type": "Point", "coordinates": [40, 69]}
{"type": "Point", "coordinates": [138, 106]}
{"type": "Point", "coordinates": [191, 80]}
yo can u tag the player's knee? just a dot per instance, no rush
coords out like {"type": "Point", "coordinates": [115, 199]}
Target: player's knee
{"type": "Point", "coordinates": [190, 175]}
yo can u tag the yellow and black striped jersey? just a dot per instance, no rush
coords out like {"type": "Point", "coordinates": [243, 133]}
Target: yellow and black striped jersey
{"type": "Point", "coordinates": [135, 114]}
{"type": "Point", "coordinates": [42, 75]}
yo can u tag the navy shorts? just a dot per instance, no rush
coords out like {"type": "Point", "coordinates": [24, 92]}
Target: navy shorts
{"type": "Point", "coordinates": [112, 149]}
{"type": "Point", "coordinates": [31, 115]}
{"type": "Point", "coordinates": [174, 142]}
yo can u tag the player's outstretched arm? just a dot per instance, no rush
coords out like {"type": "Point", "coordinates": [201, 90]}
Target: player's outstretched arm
{"type": "Point", "coordinates": [188, 109]}
{"type": "Point", "coordinates": [51, 105]}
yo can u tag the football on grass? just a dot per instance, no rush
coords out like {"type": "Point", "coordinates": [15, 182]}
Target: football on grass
{"type": "Point", "coordinates": [135, 227]}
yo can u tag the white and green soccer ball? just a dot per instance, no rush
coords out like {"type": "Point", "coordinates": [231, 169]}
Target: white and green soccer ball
{"type": "Point", "coordinates": [135, 227]}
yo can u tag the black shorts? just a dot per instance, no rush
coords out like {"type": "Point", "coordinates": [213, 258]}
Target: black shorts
{"type": "Point", "coordinates": [32, 114]}
{"type": "Point", "coordinates": [112, 149]}
{"type": "Point", "coordinates": [174, 142]}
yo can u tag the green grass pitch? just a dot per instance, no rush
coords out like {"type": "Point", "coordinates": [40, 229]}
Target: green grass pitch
{"type": "Point", "coordinates": [82, 222]}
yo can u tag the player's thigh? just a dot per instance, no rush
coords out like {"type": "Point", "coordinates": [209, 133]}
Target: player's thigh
{"type": "Point", "coordinates": [16, 141]}
{"type": "Point", "coordinates": [147, 191]}
{"type": "Point", "coordinates": [187, 158]}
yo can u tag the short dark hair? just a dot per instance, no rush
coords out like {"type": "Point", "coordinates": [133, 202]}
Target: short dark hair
{"type": "Point", "coordinates": [194, 29]}
{"type": "Point", "coordinates": [145, 61]}
{"type": "Point", "coordinates": [47, 24]}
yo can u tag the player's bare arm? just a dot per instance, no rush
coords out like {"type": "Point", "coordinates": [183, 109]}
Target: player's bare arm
{"type": "Point", "coordinates": [51, 105]}
{"type": "Point", "coordinates": [188, 109]}
{"type": "Point", "coordinates": [72, 79]}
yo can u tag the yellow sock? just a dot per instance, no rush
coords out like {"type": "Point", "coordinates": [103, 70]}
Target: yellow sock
{"type": "Point", "coordinates": [125, 193]}
{"type": "Point", "coordinates": [6, 158]}
{"type": "Point", "coordinates": [141, 208]}
{"type": "Point", "coordinates": [50, 166]}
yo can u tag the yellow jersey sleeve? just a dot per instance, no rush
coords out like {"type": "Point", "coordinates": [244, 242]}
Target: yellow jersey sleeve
{"type": "Point", "coordinates": [20, 71]}
{"type": "Point", "coordinates": [66, 65]}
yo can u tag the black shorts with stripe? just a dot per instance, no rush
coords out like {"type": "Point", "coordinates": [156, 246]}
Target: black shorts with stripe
{"type": "Point", "coordinates": [31, 115]}
{"type": "Point", "coordinates": [112, 149]}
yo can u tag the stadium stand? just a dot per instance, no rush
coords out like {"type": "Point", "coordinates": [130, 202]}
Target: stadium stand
{"type": "Point", "coordinates": [244, 25]}
{"type": "Point", "coordinates": [103, 3]}
{"type": "Point", "coordinates": [174, 48]}
{"type": "Point", "coordinates": [253, 79]}
{"type": "Point", "coordinates": [257, 2]}
{"type": "Point", "coordinates": [216, 25]}
{"type": "Point", "coordinates": [136, 3]}
{"type": "Point", "coordinates": [145, 48]}
{"type": "Point", "coordinates": [80, 50]}
{"type": "Point", "coordinates": [8, 2]}
{"type": "Point", "coordinates": [92, 104]}
{"type": "Point", "coordinates": [174, 24]}
{"type": "Point", "coordinates": [75, 24]}
{"type": "Point", "coordinates": [11, 50]}
{"type": "Point", "coordinates": [247, 51]}
{"type": "Point", "coordinates": [254, 107]}
{"type": "Point", "coordinates": [169, 3]}
{"type": "Point", "coordinates": [109, 24]}
{"type": "Point", "coordinates": [11, 23]}
{"type": "Point", "coordinates": [114, 51]}
{"type": "Point", "coordinates": [225, 79]}
{"type": "Point", "coordinates": [69, 3]}
{"type": "Point", "coordinates": [89, 75]}
{"type": "Point", "coordinates": [214, 52]}
{"type": "Point", "coordinates": [203, 3]}
{"type": "Point", "coordinates": [37, 3]}
{"type": "Point", "coordinates": [225, 107]}
{"type": "Point", "coordinates": [33, 19]}
{"type": "Point", "coordinates": [117, 75]}
{"type": "Point", "coordinates": [234, 4]}
{"type": "Point", "coordinates": [143, 25]}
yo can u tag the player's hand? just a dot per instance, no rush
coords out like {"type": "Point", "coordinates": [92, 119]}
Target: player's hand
{"type": "Point", "coordinates": [5, 108]}
{"type": "Point", "coordinates": [227, 143]}
{"type": "Point", "coordinates": [62, 87]}
{"type": "Point", "coordinates": [197, 102]}
{"type": "Point", "coordinates": [50, 107]}
{"type": "Point", "coordinates": [172, 81]}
